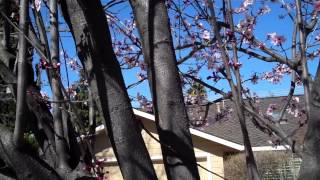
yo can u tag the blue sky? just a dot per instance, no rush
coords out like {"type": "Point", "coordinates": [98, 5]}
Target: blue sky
{"type": "Point", "coordinates": [266, 24]}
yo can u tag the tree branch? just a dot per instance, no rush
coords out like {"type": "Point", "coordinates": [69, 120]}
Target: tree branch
{"type": "Point", "coordinates": [22, 76]}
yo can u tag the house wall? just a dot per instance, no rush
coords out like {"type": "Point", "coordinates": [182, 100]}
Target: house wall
{"type": "Point", "coordinates": [208, 155]}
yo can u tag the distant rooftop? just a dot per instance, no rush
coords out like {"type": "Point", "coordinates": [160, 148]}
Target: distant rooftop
{"type": "Point", "coordinates": [221, 121]}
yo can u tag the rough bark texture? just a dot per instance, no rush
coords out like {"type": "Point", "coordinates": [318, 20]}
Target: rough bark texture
{"type": "Point", "coordinates": [310, 167]}
{"type": "Point", "coordinates": [171, 116]}
{"type": "Point", "coordinates": [89, 27]}
{"type": "Point", "coordinates": [25, 166]}
{"type": "Point", "coordinates": [39, 121]}
{"type": "Point", "coordinates": [22, 75]}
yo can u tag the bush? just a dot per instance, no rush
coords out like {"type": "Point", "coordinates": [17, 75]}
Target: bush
{"type": "Point", "coordinates": [271, 165]}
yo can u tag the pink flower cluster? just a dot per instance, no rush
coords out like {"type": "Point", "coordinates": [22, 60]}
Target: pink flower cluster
{"type": "Point", "coordinates": [275, 39]}
{"type": "Point", "coordinates": [271, 108]}
{"type": "Point", "coordinates": [246, 26]}
{"type": "Point", "coordinates": [96, 168]}
{"type": "Point", "coordinates": [294, 107]}
{"type": "Point", "coordinates": [277, 73]}
{"type": "Point", "coordinates": [145, 105]}
{"type": "Point", "coordinates": [244, 6]}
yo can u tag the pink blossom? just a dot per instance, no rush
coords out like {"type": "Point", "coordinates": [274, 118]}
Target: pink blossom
{"type": "Point", "coordinates": [206, 35]}
{"type": "Point", "coordinates": [276, 39]}
{"type": "Point", "coordinates": [271, 109]}
{"type": "Point", "coordinates": [144, 103]}
{"type": "Point", "coordinates": [317, 6]}
{"type": "Point", "coordinates": [247, 3]}
{"type": "Point", "coordinates": [200, 25]}
{"type": "Point", "coordinates": [296, 99]}
{"type": "Point", "coordinates": [244, 6]}
{"type": "Point", "coordinates": [264, 10]}
{"type": "Point", "coordinates": [141, 76]}
{"type": "Point", "coordinates": [277, 73]}
{"type": "Point", "coordinates": [37, 5]}
{"type": "Point", "coordinates": [246, 26]}
{"type": "Point", "coordinates": [234, 64]}
{"type": "Point", "coordinates": [239, 10]}
{"type": "Point", "coordinates": [44, 95]}
{"type": "Point", "coordinates": [74, 64]}
{"type": "Point", "coordinates": [261, 45]}
{"type": "Point", "coordinates": [142, 66]}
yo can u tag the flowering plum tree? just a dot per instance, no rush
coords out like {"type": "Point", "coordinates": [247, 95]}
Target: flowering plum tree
{"type": "Point", "coordinates": [214, 51]}
{"type": "Point", "coordinates": [191, 52]}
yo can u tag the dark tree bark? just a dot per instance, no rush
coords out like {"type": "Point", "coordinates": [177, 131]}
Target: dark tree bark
{"type": "Point", "coordinates": [310, 167]}
{"type": "Point", "coordinates": [88, 24]}
{"type": "Point", "coordinates": [22, 75]}
{"type": "Point", "coordinates": [25, 165]}
{"type": "Point", "coordinates": [171, 116]}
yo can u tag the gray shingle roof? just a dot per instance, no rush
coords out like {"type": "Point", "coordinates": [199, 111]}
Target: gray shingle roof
{"type": "Point", "coordinates": [228, 127]}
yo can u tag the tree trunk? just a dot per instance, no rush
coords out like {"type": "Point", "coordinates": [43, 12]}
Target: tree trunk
{"type": "Point", "coordinates": [88, 24]}
{"type": "Point", "coordinates": [25, 166]}
{"type": "Point", "coordinates": [310, 167]}
{"type": "Point", "coordinates": [171, 116]}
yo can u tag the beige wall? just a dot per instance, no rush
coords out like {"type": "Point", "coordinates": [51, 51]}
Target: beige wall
{"type": "Point", "coordinates": [207, 156]}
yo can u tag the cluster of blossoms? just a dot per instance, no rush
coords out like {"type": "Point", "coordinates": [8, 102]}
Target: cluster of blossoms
{"type": "Point", "coordinates": [72, 62]}
{"type": "Point", "coordinates": [275, 39]}
{"type": "Point", "coordinates": [317, 6]}
{"type": "Point", "coordinates": [295, 109]}
{"type": "Point", "coordinates": [37, 5]}
{"type": "Point", "coordinates": [145, 104]}
{"type": "Point", "coordinates": [246, 27]}
{"type": "Point", "coordinates": [206, 35]}
{"type": "Point", "coordinates": [197, 116]}
{"type": "Point", "coordinates": [264, 10]}
{"type": "Point", "coordinates": [46, 65]}
{"type": "Point", "coordinates": [235, 65]}
{"type": "Point", "coordinates": [277, 73]}
{"type": "Point", "coordinates": [96, 168]}
{"type": "Point", "coordinates": [315, 53]}
{"type": "Point", "coordinates": [244, 6]}
{"type": "Point", "coordinates": [192, 99]}
{"type": "Point", "coordinates": [72, 91]}
{"type": "Point", "coordinates": [125, 42]}
{"type": "Point", "coordinates": [270, 110]}
{"type": "Point", "coordinates": [141, 76]}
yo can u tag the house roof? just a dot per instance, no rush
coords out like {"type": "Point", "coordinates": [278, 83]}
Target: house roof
{"type": "Point", "coordinates": [226, 125]}
{"type": "Point", "coordinates": [226, 130]}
